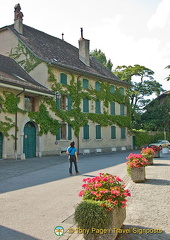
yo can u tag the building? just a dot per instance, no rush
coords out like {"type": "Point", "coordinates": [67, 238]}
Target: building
{"type": "Point", "coordinates": [91, 104]}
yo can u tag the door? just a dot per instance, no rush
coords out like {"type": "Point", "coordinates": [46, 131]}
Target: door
{"type": "Point", "coordinates": [30, 140]}
{"type": "Point", "coordinates": [1, 140]}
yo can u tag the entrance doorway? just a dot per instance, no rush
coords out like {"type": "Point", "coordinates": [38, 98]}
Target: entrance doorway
{"type": "Point", "coordinates": [29, 140]}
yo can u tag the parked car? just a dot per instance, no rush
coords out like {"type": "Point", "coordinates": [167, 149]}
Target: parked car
{"type": "Point", "coordinates": [160, 143]}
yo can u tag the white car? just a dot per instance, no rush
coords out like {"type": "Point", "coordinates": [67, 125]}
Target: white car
{"type": "Point", "coordinates": [160, 143]}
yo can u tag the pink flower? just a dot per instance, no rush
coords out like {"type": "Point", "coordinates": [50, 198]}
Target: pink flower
{"type": "Point", "coordinates": [81, 193]}
{"type": "Point", "coordinates": [118, 179]}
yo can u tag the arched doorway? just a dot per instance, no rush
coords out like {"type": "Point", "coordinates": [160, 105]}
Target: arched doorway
{"type": "Point", "coordinates": [29, 140]}
{"type": "Point", "coordinates": [1, 142]}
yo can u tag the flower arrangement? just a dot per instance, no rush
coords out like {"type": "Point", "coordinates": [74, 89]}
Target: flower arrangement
{"type": "Point", "coordinates": [136, 161]}
{"type": "Point", "coordinates": [156, 148]}
{"type": "Point", "coordinates": [106, 189]}
{"type": "Point", "coordinates": [148, 151]}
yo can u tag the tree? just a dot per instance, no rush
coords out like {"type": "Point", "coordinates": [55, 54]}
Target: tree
{"type": "Point", "coordinates": [143, 85]}
{"type": "Point", "coordinates": [168, 78]}
{"type": "Point", "coordinates": [101, 57]}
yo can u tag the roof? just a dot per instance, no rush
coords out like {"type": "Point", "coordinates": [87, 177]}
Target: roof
{"type": "Point", "coordinates": [60, 53]}
{"type": "Point", "coordinates": [11, 73]}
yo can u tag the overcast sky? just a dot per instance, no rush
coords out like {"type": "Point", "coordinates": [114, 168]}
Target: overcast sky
{"type": "Point", "coordinates": [128, 31]}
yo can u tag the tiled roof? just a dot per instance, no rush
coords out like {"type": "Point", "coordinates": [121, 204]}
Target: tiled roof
{"type": "Point", "coordinates": [12, 73]}
{"type": "Point", "coordinates": [61, 53]}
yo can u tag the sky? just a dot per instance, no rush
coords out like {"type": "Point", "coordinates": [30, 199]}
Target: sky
{"type": "Point", "coordinates": [128, 31]}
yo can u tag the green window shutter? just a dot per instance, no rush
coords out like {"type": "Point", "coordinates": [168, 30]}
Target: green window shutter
{"type": "Point", "coordinates": [113, 132]}
{"type": "Point", "coordinates": [122, 91]}
{"type": "Point", "coordinates": [86, 131]}
{"type": "Point", "coordinates": [85, 83]}
{"type": "Point", "coordinates": [58, 103]}
{"type": "Point", "coordinates": [112, 89]}
{"type": "Point", "coordinates": [85, 105]}
{"type": "Point", "coordinates": [112, 108]}
{"type": "Point", "coordinates": [69, 102]}
{"type": "Point", "coordinates": [69, 132]}
{"type": "Point", "coordinates": [122, 109]}
{"type": "Point", "coordinates": [123, 134]}
{"type": "Point", "coordinates": [98, 107]}
{"type": "Point", "coordinates": [58, 135]}
{"type": "Point", "coordinates": [98, 132]}
{"type": "Point", "coordinates": [63, 78]}
{"type": "Point", "coordinates": [97, 86]}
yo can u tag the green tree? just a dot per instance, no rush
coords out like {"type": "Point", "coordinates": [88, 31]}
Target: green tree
{"type": "Point", "coordinates": [101, 57]}
{"type": "Point", "coordinates": [168, 78]}
{"type": "Point", "coordinates": [143, 85]}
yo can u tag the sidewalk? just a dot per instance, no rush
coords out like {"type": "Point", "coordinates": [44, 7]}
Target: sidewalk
{"type": "Point", "coordinates": [148, 208]}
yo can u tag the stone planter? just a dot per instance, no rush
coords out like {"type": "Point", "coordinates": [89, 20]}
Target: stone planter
{"type": "Point", "coordinates": [149, 158]}
{"type": "Point", "coordinates": [157, 154]}
{"type": "Point", "coordinates": [165, 150]}
{"type": "Point", "coordinates": [138, 174]}
{"type": "Point", "coordinates": [110, 232]}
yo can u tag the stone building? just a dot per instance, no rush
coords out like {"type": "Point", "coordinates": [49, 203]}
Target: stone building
{"type": "Point", "coordinates": [90, 104]}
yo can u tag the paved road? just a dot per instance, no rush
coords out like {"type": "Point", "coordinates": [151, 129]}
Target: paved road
{"type": "Point", "coordinates": [38, 194]}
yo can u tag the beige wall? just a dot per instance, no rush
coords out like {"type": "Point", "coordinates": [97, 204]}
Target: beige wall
{"type": "Point", "coordinates": [8, 41]}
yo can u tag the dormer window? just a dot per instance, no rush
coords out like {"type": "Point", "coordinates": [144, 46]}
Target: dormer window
{"type": "Point", "coordinates": [29, 103]}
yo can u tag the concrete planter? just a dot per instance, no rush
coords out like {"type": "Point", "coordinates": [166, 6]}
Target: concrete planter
{"type": "Point", "coordinates": [157, 154]}
{"type": "Point", "coordinates": [138, 174]}
{"type": "Point", "coordinates": [110, 232]}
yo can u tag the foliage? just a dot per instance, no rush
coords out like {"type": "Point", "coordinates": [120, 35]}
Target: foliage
{"type": "Point", "coordinates": [143, 86]}
{"type": "Point", "coordinates": [156, 148]}
{"type": "Point", "coordinates": [89, 214]}
{"type": "Point", "coordinates": [147, 151]}
{"type": "Point", "coordinates": [101, 57]}
{"type": "Point", "coordinates": [106, 189]}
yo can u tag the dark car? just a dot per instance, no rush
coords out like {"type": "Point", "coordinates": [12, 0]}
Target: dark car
{"type": "Point", "coordinates": [160, 143]}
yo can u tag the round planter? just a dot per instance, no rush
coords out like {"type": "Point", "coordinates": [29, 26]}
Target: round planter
{"type": "Point", "coordinates": [109, 233]}
{"type": "Point", "coordinates": [138, 174]}
{"type": "Point", "coordinates": [157, 154]}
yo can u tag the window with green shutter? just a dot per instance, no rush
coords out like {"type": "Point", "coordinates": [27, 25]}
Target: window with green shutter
{"type": "Point", "coordinates": [63, 78]}
{"type": "Point", "coordinates": [122, 109]}
{"type": "Point", "coordinates": [97, 86]}
{"type": "Point", "coordinates": [69, 103]}
{"type": "Point", "coordinates": [69, 132]}
{"type": "Point", "coordinates": [85, 105]}
{"type": "Point", "coordinates": [123, 132]}
{"type": "Point", "coordinates": [58, 135]}
{"type": "Point", "coordinates": [85, 83]}
{"type": "Point", "coordinates": [97, 106]}
{"type": "Point", "coordinates": [112, 108]}
{"type": "Point", "coordinates": [98, 132]}
{"type": "Point", "coordinates": [122, 91]}
{"type": "Point", "coordinates": [86, 131]}
{"type": "Point", "coordinates": [58, 103]}
{"type": "Point", "coordinates": [113, 132]}
{"type": "Point", "coordinates": [112, 89]}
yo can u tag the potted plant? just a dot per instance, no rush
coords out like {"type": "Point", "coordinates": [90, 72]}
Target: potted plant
{"type": "Point", "coordinates": [136, 167]}
{"type": "Point", "coordinates": [103, 207]}
{"type": "Point", "coordinates": [148, 153]}
{"type": "Point", "coordinates": [157, 150]}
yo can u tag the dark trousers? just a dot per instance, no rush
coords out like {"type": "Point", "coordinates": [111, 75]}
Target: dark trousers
{"type": "Point", "coordinates": [72, 160]}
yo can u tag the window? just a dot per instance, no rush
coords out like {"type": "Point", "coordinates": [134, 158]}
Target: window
{"type": "Point", "coordinates": [85, 83]}
{"type": "Point", "coordinates": [122, 91]}
{"type": "Point", "coordinates": [123, 133]}
{"type": "Point", "coordinates": [97, 86]}
{"type": "Point", "coordinates": [86, 131]}
{"type": "Point", "coordinates": [29, 103]}
{"type": "Point", "coordinates": [97, 107]}
{"type": "Point", "coordinates": [64, 132]}
{"type": "Point", "coordinates": [69, 103]}
{"type": "Point", "coordinates": [112, 89]}
{"type": "Point", "coordinates": [113, 132]}
{"type": "Point", "coordinates": [112, 108]}
{"type": "Point", "coordinates": [64, 102]}
{"type": "Point", "coordinates": [122, 109]}
{"type": "Point", "coordinates": [63, 78]}
{"type": "Point", "coordinates": [85, 105]}
{"type": "Point", "coordinates": [98, 132]}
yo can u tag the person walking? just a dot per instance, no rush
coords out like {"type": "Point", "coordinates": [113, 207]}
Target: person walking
{"type": "Point", "coordinates": [73, 158]}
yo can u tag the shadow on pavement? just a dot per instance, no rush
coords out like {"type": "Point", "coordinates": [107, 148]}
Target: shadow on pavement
{"type": "Point", "coordinates": [157, 182]}
{"type": "Point", "coordinates": [6, 233]}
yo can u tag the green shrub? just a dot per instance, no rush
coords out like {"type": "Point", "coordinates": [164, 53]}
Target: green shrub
{"type": "Point", "coordinates": [89, 214]}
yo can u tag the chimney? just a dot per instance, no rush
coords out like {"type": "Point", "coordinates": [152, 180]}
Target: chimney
{"type": "Point", "coordinates": [18, 15]}
{"type": "Point", "coordinates": [84, 46]}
